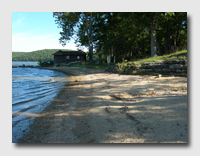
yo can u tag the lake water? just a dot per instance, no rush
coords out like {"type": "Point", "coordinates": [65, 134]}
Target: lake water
{"type": "Point", "coordinates": [27, 63]}
{"type": "Point", "coordinates": [32, 91]}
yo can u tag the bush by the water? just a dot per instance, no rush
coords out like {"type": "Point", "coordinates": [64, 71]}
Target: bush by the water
{"type": "Point", "coordinates": [45, 63]}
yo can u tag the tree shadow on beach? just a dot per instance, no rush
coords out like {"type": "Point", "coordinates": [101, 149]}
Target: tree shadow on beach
{"type": "Point", "coordinates": [99, 111]}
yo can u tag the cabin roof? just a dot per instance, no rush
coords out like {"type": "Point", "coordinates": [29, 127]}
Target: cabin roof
{"type": "Point", "coordinates": [60, 52]}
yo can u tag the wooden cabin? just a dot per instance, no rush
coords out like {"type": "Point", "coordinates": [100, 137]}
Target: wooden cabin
{"type": "Point", "coordinates": [65, 57]}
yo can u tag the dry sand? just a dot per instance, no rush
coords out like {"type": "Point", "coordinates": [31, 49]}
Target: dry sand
{"type": "Point", "coordinates": [101, 107]}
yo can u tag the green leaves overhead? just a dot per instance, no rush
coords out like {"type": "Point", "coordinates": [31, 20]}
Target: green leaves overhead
{"type": "Point", "coordinates": [67, 21]}
{"type": "Point", "coordinates": [170, 13]}
{"type": "Point", "coordinates": [124, 34]}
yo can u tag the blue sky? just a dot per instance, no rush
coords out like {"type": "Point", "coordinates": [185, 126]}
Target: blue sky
{"type": "Point", "coordinates": [35, 31]}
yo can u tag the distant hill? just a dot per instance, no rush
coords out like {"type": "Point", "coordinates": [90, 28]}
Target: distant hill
{"type": "Point", "coordinates": [45, 55]}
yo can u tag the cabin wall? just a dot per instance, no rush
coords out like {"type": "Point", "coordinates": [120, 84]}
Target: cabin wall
{"type": "Point", "coordinates": [58, 59]}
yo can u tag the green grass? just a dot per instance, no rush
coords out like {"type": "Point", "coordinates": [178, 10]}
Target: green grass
{"type": "Point", "coordinates": [139, 62]}
{"type": "Point", "coordinates": [96, 66]}
{"type": "Point", "coordinates": [156, 59]}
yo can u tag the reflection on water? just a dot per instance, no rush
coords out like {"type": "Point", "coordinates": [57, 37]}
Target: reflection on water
{"type": "Point", "coordinates": [32, 90]}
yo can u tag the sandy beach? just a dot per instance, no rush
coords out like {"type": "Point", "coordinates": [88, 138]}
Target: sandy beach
{"type": "Point", "coordinates": [96, 106]}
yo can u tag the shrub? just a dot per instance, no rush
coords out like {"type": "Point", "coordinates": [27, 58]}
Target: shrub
{"type": "Point", "coordinates": [40, 62]}
{"type": "Point", "coordinates": [120, 68]}
{"type": "Point", "coordinates": [45, 63]}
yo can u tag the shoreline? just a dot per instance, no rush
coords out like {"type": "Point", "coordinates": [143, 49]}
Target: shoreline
{"type": "Point", "coordinates": [101, 107]}
{"type": "Point", "coordinates": [49, 111]}
{"type": "Point", "coordinates": [23, 117]}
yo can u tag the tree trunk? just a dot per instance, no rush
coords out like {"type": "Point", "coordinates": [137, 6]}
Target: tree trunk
{"type": "Point", "coordinates": [159, 52]}
{"type": "Point", "coordinates": [138, 45]}
{"type": "Point", "coordinates": [166, 41]}
{"type": "Point", "coordinates": [153, 36]}
{"type": "Point", "coordinates": [131, 54]}
{"type": "Point", "coordinates": [91, 53]}
{"type": "Point", "coordinates": [99, 55]}
{"type": "Point", "coordinates": [112, 55]}
{"type": "Point", "coordinates": [90, 39]}
{"type": "Point", "coordinates": [143, 51]}
{"type": "Point", "coordinates": [132, 50]}
{"type": "Point", "coordinates": [176, 41]}
{"type": "Point", "coordinates": [138, 49]}
{"type": "Point", "coordinates": [170, 40]}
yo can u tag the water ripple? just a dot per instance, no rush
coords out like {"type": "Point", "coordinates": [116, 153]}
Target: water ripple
{"type": "Point", "coordinates": [32, 90]}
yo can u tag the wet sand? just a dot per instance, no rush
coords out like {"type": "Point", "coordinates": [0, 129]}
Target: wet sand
{"type": "Point", "coordinates": [101, 107]}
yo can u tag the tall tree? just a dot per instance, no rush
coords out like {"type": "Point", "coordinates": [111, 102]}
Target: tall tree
{"type": "Point", "coordinates": [153, 35]}
{"type": "Point", "coordinates": [124, 34]}
{"type": "Point", "coordinates": [77, 25]}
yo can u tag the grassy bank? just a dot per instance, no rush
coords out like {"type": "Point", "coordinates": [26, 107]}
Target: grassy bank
{"type": "Point", "coordinates": [174, 56]}
{"type": "Point", "coordinates": [181, 55]}
{"type": "Point", "coordinates": [96, 66]}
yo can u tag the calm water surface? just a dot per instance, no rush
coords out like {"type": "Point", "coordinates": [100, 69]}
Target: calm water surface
{"type": "Point", "coordinates": [27, 63]}
{"type": "Point", "coordinates": [32, 91]}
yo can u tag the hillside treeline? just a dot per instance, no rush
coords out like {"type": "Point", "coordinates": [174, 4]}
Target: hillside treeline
{"type": "Point", "coordinates": [44, 55]}
{"type": "Point", "coordinates": [131, 35]}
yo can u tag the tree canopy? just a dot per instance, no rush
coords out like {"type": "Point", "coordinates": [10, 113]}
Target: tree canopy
{"type": "Point", "coordinates": [122, 35]}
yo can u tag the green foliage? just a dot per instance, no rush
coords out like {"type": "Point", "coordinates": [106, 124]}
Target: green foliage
{"type": "Point", "coordinates": [122, 67]}
{"type": "Point", "coordinates": [95, 66]}
{"type": "Point", "coordinates": [124, 34]}
{"type": "Point", "coordinates": [158, 58]}
{"type": "Point", "coordinates": [43, 55]}
{"type": "Point", "coordinates": [170, 13]}
{"type": "Point", "coordinates": [40, 62]}
{"type": "Point", "coordinates": [81, 24]}
{"type": "Point", "coordinates": [123, 60]}
{"type": "Point", "coordinates": [45, 63]}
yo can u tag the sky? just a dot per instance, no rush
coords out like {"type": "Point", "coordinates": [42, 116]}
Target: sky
{"type": "Point", "coordinates": [35, 31]}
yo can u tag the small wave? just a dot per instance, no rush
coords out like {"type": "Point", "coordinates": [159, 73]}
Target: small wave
{"type": "Point", "coordinates": [38, 89]}
{"type": "Point", "coordinates": [32, 90]}
{"type": "Point", "coordinates": [41, 93]}
{"type": "Point", "coordinates": [22, 111]}
{"type": "Point", "coordinates": [25, 101]}
{"type": "Point", "coordinates": [32, 78]}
